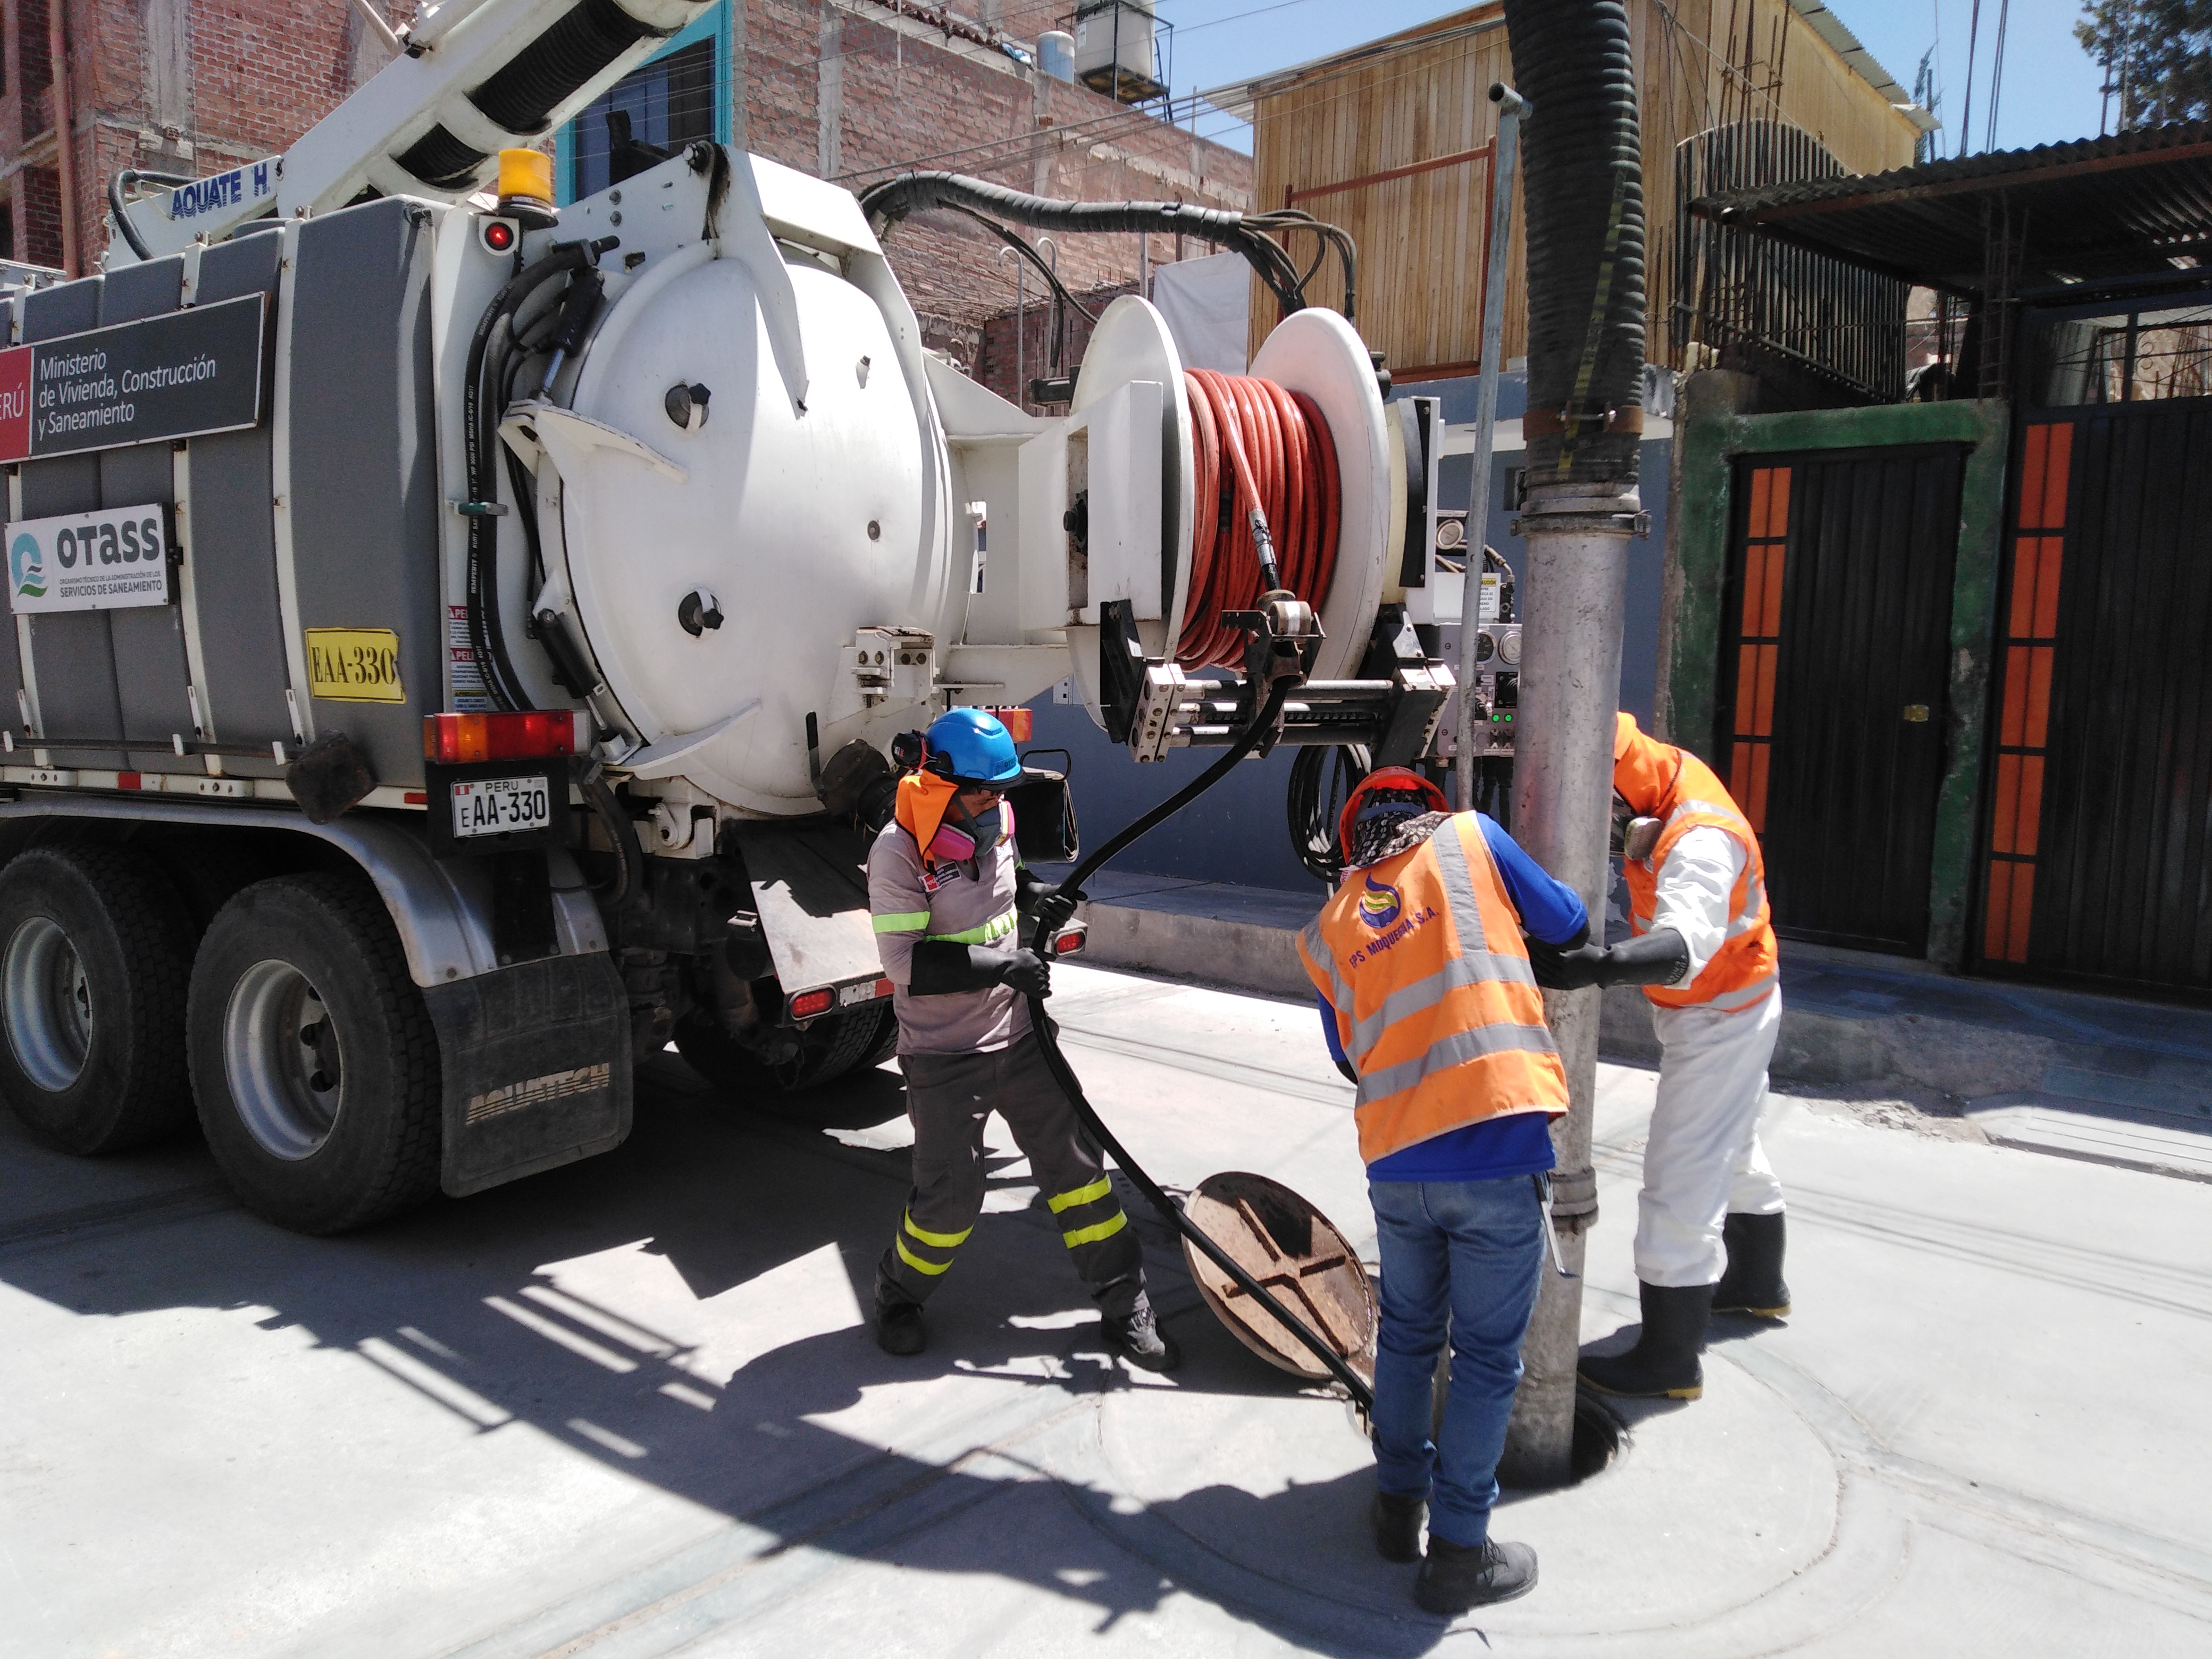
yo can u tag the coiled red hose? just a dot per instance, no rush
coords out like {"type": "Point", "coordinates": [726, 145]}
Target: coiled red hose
{"type": "Point", "coordinates": [1256, 444]}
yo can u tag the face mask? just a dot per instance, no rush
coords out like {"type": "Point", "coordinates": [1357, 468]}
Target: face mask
{"type": "Point", "coordinates": [958, 841]}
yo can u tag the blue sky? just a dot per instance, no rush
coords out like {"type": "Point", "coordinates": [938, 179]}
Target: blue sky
{"type": "Point", "coordinates": [2048, 93]}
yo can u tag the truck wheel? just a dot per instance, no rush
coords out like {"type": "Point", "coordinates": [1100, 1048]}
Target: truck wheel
{"type": "Point", "coordinates": [95, 948]}
{"type": "Point", "coordinates": [830, 1047]}
{"type": "Point", "coordinates": [312, 1055]}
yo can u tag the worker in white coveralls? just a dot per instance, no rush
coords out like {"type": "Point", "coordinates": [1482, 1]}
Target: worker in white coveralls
{"type": "Point", "coordinates": [1710, 1199]}
{"type": "Point", "coordinates": [944, 888]}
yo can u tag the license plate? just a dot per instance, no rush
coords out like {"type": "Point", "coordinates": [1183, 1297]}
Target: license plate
{"type": "Point", "coordinates": [499, 806]}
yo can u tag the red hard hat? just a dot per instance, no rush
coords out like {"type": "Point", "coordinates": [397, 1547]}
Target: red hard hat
{"type": "Point", "coordinates": [1390, 778]}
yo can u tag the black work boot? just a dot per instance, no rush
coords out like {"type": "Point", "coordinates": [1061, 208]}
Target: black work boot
{"type": "Point", "coordinates": [1396, 1518]}
{"type": "Point", "coordinates": [1138, 1338]}
{"type": "Point", "coordinates": [898, 1324]}
{"type": "Point", "coordinates": [1458, 1576]}
{"type": "Point", "coordinates": [1663, 1364]}
{"type": "Point", "coordinates": [1752, 1283]}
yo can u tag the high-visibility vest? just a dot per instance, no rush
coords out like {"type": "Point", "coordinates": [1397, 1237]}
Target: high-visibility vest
{"type": "Point", "coordinates": [1421, 956]}
{"type": "Point", "coordinates": [1662, 781]}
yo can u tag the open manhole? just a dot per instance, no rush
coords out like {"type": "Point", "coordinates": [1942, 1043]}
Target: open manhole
{"type": "Point", "coordinates": [1297, 1254]}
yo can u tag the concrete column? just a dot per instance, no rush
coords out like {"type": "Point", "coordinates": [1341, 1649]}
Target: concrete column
{"type": "Point", "coordinates": [829, 95]}
{"type": "Point", "coordinates": [1572, 601]}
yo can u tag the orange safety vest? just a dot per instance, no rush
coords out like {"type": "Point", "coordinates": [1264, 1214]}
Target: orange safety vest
{"type": "Point", "coordinates": [1659, 781]}
{"type": "Point", "coordinates": [1421, 956]}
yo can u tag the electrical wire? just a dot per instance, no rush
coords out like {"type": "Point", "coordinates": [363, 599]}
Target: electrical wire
{"type": "Point", "coordinates": [1256, 447]}
{"type": "Point", "coordinates": [1047, 1042]}
{"type": "Point", "coordinates": [1322, 780]}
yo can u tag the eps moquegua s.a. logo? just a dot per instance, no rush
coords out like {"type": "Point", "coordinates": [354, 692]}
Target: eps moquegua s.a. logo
{"type": "Point", "coordinates": [1379, 905]}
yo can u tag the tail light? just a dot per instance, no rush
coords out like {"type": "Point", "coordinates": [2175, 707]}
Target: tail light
{"type": "Point", "coordinates": [534, 734]}
{"type": "Point", "coordinates": [1067, 944]}
{"type": "Point", "coordinates": [807, 1004]}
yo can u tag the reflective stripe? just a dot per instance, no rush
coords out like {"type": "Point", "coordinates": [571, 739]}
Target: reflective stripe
{"type": "Point", "coordinates": [1091, 1195]}
{"type": "Point", "coordinates": [1742, 997]}
{"type": "Point", "coordinates": [1454, 1050]}
{"type": "Point", "coordinates": [1477, 968]}
{"type": "Point", "coordinates": [916, 1261]}
{"type": "Point", "coordinates": [1103, 1230]}
{"type": "Point", "coordinates": [998, 928]}
{"type": "Point", "coordinates": [1459, 887]}
{"type": "Point", "coordinates": [1317, 949]}
{"type": "Point", "coordinates": [903, 922]}
{"type": "Point", "coordinates": [939, 1241]}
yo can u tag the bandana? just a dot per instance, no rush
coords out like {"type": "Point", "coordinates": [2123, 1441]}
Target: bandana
{"type": "Point", "coordinates": [1389, 824]}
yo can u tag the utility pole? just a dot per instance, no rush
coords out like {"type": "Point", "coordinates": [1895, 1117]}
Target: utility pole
{"type": "Point", "coordinates": [1583, 175]}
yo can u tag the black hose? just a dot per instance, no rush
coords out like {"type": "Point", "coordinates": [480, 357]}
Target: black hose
{"type": "Point", "coordinates": [622, 837]}
{"type": "Point", "coordinates": [1064, 1074]}
{"type": "Point", "coordinates": [1582, 171]}
{"type": "Point", "coordinates": [1321, 777]}
{"type": "Point", "coordinates": [121, 184]}
{"type": "Point", "coordinates": [888, 202]}
{"type": "Point", "coordinates": [480, 436]}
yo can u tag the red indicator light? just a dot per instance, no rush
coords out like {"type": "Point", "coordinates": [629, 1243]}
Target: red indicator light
{"type": "Point", "coordinates": [1016, 721]}
{"type": "Point", "coordinates": [498, 235]}
{"type": "Point", "coordinates": [807, 1004]}
{"type": "Point", "coordinates": [532, 734]}
{"type": "Point", "coordinates": [1069, 943]}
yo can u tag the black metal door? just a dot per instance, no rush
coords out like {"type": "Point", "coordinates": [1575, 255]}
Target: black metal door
{"type": "Point", "coordinates": [2101, 787]}
{"type": "Point", "coordinates": [1838, 614]}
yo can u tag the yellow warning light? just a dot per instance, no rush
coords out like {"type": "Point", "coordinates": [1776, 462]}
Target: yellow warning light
{"type": "Point", "coordinates": [526, 175]}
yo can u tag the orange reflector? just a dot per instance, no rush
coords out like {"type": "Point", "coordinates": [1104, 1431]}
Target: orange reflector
{"type": "Point", "coordinates": [534, 734]}
{"type": "Point", "coordinates": [1018, 722]}
{"type": "Point", "coordinates": [807, 1004]}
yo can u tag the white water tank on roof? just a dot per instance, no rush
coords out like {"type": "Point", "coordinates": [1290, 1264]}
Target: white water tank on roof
{"type": "Point", "coordinates": [1114, 48]}
{"type": "Point", "coordinates": [1056, 54]}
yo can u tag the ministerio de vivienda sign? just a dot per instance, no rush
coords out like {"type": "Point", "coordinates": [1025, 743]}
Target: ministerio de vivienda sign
{"type": "Point", "coordinates": [174, 376]}
{"type": "Point", "coordinates": [181, 375]}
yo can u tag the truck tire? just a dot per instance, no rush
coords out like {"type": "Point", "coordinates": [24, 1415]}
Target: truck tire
{"type": "Point", "coordinates": [313, 1059]}
{"type": "Point", "coordinates": [831, 1047]}
{"type": "Point", "coordinates": [96, 948]}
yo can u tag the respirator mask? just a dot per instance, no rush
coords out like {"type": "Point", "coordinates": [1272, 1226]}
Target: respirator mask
{"type": "Point", "coordinates": [961, 837]}
{"type": "Point", "coordinates": [1632, 838]}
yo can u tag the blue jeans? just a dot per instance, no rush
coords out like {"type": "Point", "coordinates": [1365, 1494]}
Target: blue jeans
{"type": "Point", "coordinates": [1471, 1250]}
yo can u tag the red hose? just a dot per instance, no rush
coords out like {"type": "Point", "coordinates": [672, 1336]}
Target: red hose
{"type": "Point", "coordinates": [1255, 443]}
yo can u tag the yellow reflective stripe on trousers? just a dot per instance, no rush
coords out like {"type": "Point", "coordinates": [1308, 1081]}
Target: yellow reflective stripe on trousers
{"type": "Point", "coordinates": [1091, 1195]}
{"type": "Point", "coordinates": [938, 1241]}
{"type": "Point", "coordinates": [902, 922]}
{"type": "Point", "coordinates": [998, 928]}
{"type": "Point", "coordinates": [916, 1261]}
{"type": "Point", "coordinates": [1105, 1230]}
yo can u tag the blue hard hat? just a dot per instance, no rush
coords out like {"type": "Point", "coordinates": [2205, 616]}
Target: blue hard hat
{"type": "Point", "coordinates": [972, 745]}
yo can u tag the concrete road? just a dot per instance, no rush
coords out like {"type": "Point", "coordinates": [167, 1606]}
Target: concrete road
{"type": "Point", "coordinates": [631, 1408]}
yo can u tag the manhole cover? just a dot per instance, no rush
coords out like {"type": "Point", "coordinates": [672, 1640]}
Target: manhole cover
{"type": "Point", "coordinates": [1298, 1255]}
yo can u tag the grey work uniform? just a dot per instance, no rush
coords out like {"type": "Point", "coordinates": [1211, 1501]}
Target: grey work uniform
{"type": "Point", "coordinates": [967, 1053]}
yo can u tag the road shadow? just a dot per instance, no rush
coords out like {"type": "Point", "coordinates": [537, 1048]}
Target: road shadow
{"type": "Point", "coordinates": [777, 1421]}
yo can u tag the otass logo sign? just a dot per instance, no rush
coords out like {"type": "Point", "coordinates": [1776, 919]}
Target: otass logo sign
{"type": "Point", "coordinates": [101, 561]}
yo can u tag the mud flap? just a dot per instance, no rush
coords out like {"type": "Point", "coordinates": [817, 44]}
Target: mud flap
{"type": "Point", "coordinates": [537, 1066]}
{"type": "Point", "coordinates": [810, 888]}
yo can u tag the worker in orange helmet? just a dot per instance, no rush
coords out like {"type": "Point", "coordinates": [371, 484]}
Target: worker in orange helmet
{"type": "Point", "coordinates": [1696, 885]}
{"type": "Point", "coordinates": [1431, 1006]}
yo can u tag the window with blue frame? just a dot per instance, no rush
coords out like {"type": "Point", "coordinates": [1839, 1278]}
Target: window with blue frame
{"type": "Point", "coordinates": [681, 94]}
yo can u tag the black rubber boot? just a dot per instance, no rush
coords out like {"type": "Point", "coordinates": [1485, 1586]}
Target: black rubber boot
{"type": "Point", "coordinates": [1138, 1338]}
{"type": "Point", "coordinates": [1752, 1283]}
{"type": "Point", "coordinates": [1457, 1576]}
{"type": "Point", "coordinates": [898, 1325]}
{"type": "Point", "coordinates": [1663, 1364]}
{"type": "Point", "coordinates": [1396, 1518]}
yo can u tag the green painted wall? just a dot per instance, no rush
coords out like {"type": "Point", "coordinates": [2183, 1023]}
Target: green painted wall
{"type": "Point", "coordinates": [1708, 439]}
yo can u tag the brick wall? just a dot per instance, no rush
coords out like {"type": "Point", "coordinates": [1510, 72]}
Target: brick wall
{"type": "Point", "coordinates": [198, 86]}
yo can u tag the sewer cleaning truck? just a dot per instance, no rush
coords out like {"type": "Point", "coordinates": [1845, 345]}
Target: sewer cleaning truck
{"type": "Point", "coordinates": [460, 644]}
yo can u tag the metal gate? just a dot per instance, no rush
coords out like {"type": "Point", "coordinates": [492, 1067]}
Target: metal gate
{"type": "Point", "coordinates": [2100, 788]}
{"type": "Point", "coordinates": [1832, 720]}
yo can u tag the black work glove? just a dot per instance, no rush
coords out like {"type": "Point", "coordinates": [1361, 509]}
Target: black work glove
{"type": "Point", "coordinates": [942, 967]}
{"type": "Point", "coordinates": [1660, 958]}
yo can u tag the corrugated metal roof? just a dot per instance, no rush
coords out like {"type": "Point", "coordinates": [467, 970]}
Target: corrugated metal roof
{"type": "Point", "coordinates": [2133, 203]}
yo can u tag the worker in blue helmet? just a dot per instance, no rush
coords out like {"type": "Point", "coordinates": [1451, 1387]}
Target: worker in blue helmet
{"type": "Point", "coordinates": [946, 887]}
